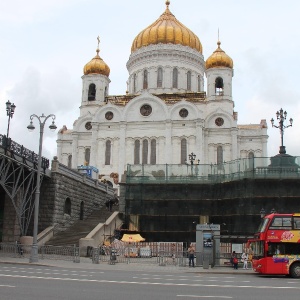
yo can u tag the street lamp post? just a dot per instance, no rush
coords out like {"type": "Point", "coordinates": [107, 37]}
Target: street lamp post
{"type": "Point", "coordinates": [10, 110]}
{"type": "Point", "coordinates": [281, 117]}
{"type": "Point", "coordinates": [42, 120]}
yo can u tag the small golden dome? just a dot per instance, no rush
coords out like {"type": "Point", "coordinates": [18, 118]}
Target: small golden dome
{"type": "Point", "coordinates": [96, 65]}
{"type": "Point", "coordinates": [219, 59]}
{"type": "Point", "coordinates": [166, 29]}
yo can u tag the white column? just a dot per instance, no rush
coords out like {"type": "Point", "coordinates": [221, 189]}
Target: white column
{"type": "Point", "coordinates": [199, 141]}
{"type": "Point", "coordinates": [122, 149]}
{"type": "Point", "coordinates": [94, 145]}
{"type": "Point", "coordinates": [75, 151]}
{"type": "Point", "coordinates": [234, 144]}
{"type": "Point", "coordinates": [168, 142]}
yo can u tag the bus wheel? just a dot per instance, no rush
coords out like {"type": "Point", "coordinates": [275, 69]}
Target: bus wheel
{"type": "Point", "coordinates": [295, 270]}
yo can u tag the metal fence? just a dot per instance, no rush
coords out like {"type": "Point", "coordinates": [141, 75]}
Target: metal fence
{"type": "Point", "coordinates": [109, 255]}
{"type": "Point", "coordinates": [16, 250]}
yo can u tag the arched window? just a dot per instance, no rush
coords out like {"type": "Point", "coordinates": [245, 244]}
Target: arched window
{"type": "Point", "coordinates": [136, 152]}
{"type": "Point", "coordinates": [67, 208]}
{"type": "Point", "coordinates": [107, 153]}
{"type": "Point", "coordinates": [183, 151]}
{"type": "Point", "coordinates": [145, 152]}
{"type": "Point", "coordinates": [219, 156]}
{"type": "Point", "coordinates": [159, 77]}
{"type": "Point", "coordinates": [189, 80]}
{"type": "Point", "coordinates": [70, 161]}
{"type": "Point", "coordinates": [134, 83]}
{"type": "Point", "coordinates": [219, 86]}
{"type": "Point", "coordinates": [87, 155]}
{"type": "Point", "coordinates": [251, 160]}
{"type": "Point", "coordinates": [105, 91]}
{"type": "Point", "coordinates": [175, 78]}
{"type": "Point", "coordinates": [145, 79]}
{"type": "Point", "coordinates": [153, 152]}
{"type": "Point", "coordinates": [199, 83]}
{"type": "Point", "coordinates": [92, 92]}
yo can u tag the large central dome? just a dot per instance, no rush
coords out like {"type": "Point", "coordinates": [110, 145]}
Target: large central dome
{"type": "Point", "coordinates": [166, 29]}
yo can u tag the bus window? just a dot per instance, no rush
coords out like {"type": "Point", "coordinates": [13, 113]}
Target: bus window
{"type": "Point", "coordinates": [281, 223]}
{"type": "Point", "coordinates": [296, 222]}
{"type": "Point", "coordinates": [263, 225]}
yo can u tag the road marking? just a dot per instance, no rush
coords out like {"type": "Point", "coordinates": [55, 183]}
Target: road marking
{"type": "Point", "coordinates": [11, 286]}
{"type": "Point", "coordinates": [155, 283]}
{"type": "Point", "coordinates": [197, 296]}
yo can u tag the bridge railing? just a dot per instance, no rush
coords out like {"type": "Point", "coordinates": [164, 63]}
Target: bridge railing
{"type": "Point", "coordinates": [15, 150]}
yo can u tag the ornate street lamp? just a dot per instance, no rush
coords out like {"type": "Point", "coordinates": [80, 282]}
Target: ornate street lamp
{"type": "Point", "coordinates": [192, 158]}
{"type": "Point", "coordinates": [10, 110]}
{"type": "Point", "coordinates": [281, 117]}
{"type": "Point", "coordinates": [42, 120]}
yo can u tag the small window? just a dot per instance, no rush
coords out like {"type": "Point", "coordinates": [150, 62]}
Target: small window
{"type": "Point", "coordinates": [189, 81]}
{"type": "Point", "coordinates": [183, 151]}
{"type": "Point", "coordinates": [70, 161]}
{"type": "Point", "coordinates": [92, 92]}
{"type": "Point", "coordinates": [159, 77]}
{"type": "Point", "coordinates": [136, 152]}
{"type": "Point", "coordinates": [175, 78]}
{"type": "Point", "coordinates": [87, 156]}
{"type": "Point", "coordinates": [296, 222]}
{"type": "Point", "coordinates": [199, 83]}
{"type": "Point", "coordinates": [281, 223]}
{"type": "Point", "coordinates": [145, 81]}
{"type": "Point", "coordinates": [134, 83]}
{"type": "Point", "coordinates": [107, 153]}
{"type": "Point", "coordinates": [67, 208]}
{"type": "Point", "coordinates": [219, 86]}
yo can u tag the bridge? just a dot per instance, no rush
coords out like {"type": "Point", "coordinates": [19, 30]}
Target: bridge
{"type": "Point", "coordinates": [18, 168]}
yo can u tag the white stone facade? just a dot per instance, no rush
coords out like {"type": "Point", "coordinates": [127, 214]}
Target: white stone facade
{"type": "Point", "coordinates": [159, 120]}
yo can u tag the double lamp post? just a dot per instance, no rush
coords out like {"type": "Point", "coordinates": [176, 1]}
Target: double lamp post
{"type": "Point", "coordinates": [42, 120]}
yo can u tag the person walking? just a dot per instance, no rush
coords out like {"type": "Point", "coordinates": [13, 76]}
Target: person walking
{"type": "Point", "coordinates": [245, 259]}
{"type": "Point", "coordinates": [191, 253]}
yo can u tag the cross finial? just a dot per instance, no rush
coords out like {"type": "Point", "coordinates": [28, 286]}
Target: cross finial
{"type": "Point", "coordinates": [98, 38]}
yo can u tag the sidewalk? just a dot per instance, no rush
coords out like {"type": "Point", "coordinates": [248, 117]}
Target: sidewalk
{"type": "Point", "coordinates": [86, 264]}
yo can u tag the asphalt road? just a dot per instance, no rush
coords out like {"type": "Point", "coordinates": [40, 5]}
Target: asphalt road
{"type": "Point", "coordinates": [24, 282]}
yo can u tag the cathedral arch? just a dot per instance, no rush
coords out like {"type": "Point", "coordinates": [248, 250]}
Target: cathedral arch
{"type": "Point", "coordinates": [219, 86]}
{"type": "Point", "coordinates": [108, 153]}
{"type": "Point", "coordinates": [92, 92]}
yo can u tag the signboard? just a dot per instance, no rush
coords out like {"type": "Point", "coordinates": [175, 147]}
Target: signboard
{"type": "Point", "coordinates": [208, 227]}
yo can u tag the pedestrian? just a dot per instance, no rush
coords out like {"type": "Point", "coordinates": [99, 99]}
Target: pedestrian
{"type": "Point", "coordinates": [235, 261]}
{"type": "Point", "coordinates": [245, 259]}
{"type": "Point", "coordinates": [191, 253]}
{"type": "Point", "coordinates": [231, 258]}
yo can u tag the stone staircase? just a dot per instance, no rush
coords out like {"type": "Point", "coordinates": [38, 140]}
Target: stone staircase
{"type": "Point", "coordinates": [81, 228]}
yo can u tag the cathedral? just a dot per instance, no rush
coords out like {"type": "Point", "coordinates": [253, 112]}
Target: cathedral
{"type": "Point", "coordinates": [167, 112]}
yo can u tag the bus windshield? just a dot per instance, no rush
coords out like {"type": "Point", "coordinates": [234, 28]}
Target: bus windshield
{"type": "Point", "coordinates": [257, 248]}
{"type": "Point", "coordinates": [263, 225]}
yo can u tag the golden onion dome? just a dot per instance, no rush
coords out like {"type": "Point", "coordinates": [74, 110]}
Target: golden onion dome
{"type": "Point", "coordinates": [219, 59]}
{"type": "Point", "coordinates": [166, 29]}
{"type": "Point", "coordinates": [96, 65]}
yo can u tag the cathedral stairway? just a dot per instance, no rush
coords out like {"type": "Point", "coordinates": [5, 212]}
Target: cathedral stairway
{"type": "Point", "coordinates": [81, 228]}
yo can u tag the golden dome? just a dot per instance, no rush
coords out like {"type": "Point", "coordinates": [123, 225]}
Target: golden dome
{"type": "Point", "coordinates": [166, 29]}
{"type": "Point", "coordinates": [219, 59]}
{"type": "Point", "coordinates": [96, 65]}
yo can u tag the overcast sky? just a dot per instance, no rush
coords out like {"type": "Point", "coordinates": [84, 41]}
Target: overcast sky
{"type": "Point", "coordinates": [44, 46]}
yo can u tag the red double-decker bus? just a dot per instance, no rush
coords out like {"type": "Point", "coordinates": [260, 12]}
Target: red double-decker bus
{"type": "Point", "coordinates": [276, 245]}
